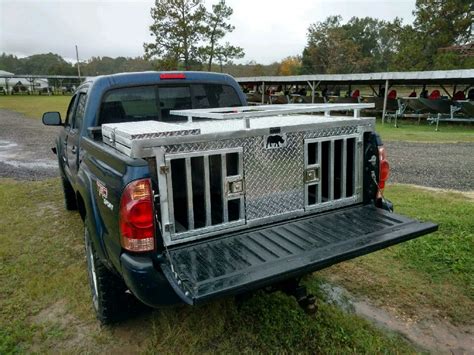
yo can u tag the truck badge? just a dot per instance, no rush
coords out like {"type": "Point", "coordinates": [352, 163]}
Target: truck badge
{"type": "Point", "coordinates": [101, 189]}
{"type": "Point", "coordinates": [103, 192]}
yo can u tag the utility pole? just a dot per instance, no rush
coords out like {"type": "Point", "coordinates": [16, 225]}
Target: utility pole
{"type": "Point", "coordinates": [78, 67]}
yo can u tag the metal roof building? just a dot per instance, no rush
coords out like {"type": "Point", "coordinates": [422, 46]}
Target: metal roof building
{"type": "Point", "coordinates": [437, 77]}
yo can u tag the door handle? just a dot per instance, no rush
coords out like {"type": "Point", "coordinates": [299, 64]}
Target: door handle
{"type": "Point", "coordinates": [73, 149]}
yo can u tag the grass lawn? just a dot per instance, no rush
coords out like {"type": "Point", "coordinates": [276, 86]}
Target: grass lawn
{"type": "Point", "coordinates": [412, 132]}
{"type": "Point", "coordinates": [433, 274]}
{"type": "Point", "coordinates": [45, 302]}
{"type": "Point", "coordinates": [35, 106]}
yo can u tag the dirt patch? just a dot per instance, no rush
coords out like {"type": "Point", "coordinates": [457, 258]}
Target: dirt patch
{"type": "Point", "coordinates": [436, 335]}
{"type": "Point", "coordinates": [76, 333]}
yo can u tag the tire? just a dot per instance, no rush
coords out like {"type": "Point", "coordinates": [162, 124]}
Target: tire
{"type": "Point", "coordinates": [110, 301]}
{"type": "Point", "coordinates": [69, 196]}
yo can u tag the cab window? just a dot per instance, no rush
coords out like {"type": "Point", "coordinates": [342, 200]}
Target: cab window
{"type": "Point", "coordinates": [155, 102]}
{"type": "Point", "coordinates": [129, 104]}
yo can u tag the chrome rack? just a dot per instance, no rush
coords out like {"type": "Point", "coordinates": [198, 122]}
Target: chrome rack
{"type": "Point", "coordinates": [247, 112]}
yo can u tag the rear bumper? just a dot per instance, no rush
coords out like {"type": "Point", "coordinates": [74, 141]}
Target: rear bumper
{"type": "Point", "coordinates": [146, 282]}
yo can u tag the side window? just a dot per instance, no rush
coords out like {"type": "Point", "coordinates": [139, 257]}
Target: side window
{"type": "Point", "coordinates": [70, 112]}
{"type": "Point", "coordinates": [81, 105]}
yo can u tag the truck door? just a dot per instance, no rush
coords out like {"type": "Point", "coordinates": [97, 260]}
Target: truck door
{"type": "Point", "coordinates": [73, 132]}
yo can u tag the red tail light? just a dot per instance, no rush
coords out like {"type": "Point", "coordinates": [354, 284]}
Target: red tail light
{"type": "Point", "coordinates": [137, 230]}
{"type": "Point", "coordinates": [384, 167]}
{"type": "Point", "coordinates": [172, 76]}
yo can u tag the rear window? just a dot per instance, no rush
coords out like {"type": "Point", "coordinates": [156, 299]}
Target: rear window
{"type": "Point", "coordinates": [155, 102]}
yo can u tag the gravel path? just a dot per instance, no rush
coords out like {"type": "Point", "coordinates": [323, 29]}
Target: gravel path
{"type": "Point", "coordinates": [440, 165]}
{"type": "Point", "coordinates": [25, 153]}
{"type": "Point", "coordinates": [25, 147]}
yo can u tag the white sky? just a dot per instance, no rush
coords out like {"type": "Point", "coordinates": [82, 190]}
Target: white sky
{"type": "Point", "coordinates": [268, 30]}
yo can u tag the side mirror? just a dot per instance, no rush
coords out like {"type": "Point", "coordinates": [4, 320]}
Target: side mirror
{"type": "Point", "coordinates": [52, 119]}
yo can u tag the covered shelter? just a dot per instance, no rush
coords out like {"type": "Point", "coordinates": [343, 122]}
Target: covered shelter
{"type": "Point", "coordinates": [385, 80]}
{"type": "Point", "coordinates": [32, 82]}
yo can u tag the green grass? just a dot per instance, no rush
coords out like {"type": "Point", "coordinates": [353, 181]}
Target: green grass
{"type": "Point", "coordinates": [35, 106]}
{"type": "Point", "coordinates": [45, 302]}
{"type": "Point", "coordinates": [411, 132]}
{"type": "Point", "coordinates": [431, 274]}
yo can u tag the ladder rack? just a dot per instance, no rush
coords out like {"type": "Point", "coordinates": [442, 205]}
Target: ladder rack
{"type": "Point", "coordinates": [248, 112]}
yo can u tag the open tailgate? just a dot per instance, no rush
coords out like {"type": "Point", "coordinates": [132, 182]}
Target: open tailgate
{"type": "Point", "coordinates": [255, 258]}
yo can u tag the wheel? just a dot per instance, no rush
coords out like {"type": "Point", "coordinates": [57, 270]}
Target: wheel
{"type": "Point", "coordinates": [69, 195]}
{"type": "Point", "coordinates": [110, 301]}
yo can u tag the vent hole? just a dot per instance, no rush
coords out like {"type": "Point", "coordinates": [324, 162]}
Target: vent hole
{"type": "Point", "coordinates": [350, 178]}
{"type": "Point", "coordinates": [178, 178]}
{"type": "Point", "coordinates": [232, 163]}
{"type": "Point", "coordinates": [233, 207]}
{"type": "Point", "coordinates": [199, 204]}
{"type": "Point", "coordinates": [215, 175]}
{"type": "Point", "coordinates": [312, 153]}
{"type": "Point", "coordinates": [312, 194]}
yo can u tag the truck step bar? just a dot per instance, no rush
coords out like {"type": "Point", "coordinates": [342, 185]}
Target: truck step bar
{"type": "Point", "coordinates": [241, 262]}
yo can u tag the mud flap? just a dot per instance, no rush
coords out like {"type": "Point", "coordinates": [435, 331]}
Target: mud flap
{"type": "Point", "coordinates": [240, 262]}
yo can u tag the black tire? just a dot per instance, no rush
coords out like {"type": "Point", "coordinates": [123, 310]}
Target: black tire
{"type": "Point", "coordinates": [69, 196]}
{"type": "Point", "coordinates": [110, 301]}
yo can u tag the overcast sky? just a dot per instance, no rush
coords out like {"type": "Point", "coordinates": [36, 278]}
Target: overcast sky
{"type": "Point", "coordinates": [268, 30]}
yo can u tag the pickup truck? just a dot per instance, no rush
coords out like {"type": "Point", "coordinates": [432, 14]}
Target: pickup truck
{"type": "Point", "coordinates": [187, 194]}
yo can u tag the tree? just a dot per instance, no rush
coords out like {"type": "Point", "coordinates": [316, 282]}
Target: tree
{"type": "Point", "coordinates": [361, 45]}
{"type": "Point", "coordinates": [226, 53]}
{"type": "Point", "coordinates": [10, 63]}
{"type": "Point", "coordinates": [215, 29]}
{"type": "Point", "coordinates": [177, 29]}
{"type": "Point", "coordinates": [376, 40]}
{"type": "Point", "coordinates": [290, 66]}
{"type": "Point", "coordinates": [108, 65]}
{"type": "Point", "coordinates": [438, 24]}
{"type": "Point", "coordinates": [330, 49]}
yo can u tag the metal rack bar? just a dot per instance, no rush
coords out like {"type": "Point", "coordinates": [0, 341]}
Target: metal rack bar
{"type": "Point", "coordinates": [267, 110]}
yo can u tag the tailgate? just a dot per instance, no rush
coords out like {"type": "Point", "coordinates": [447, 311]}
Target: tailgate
{"type": "Point", "coordinates": [244, 261]}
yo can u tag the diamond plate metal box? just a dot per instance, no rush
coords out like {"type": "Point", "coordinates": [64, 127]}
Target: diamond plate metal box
{"type": "Point", "coordinates": [273, 177]}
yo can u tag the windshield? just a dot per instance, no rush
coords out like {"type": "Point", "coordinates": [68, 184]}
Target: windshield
{"type": "Point", "coordinates": [155, 102]}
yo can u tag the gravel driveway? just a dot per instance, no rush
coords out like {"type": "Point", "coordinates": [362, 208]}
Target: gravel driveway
{"type": "Point", "coordinates": [25, 153]}
{"type": "Point", "coordinates": [441, 165]}
{"type": "Point", "coordinates": [25, 147]}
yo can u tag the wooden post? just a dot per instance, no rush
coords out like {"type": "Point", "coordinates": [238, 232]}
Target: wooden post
{"type": "Point", "coordinates": [385, 94]}
{"type": "Point", "coordinates": [263, 92]}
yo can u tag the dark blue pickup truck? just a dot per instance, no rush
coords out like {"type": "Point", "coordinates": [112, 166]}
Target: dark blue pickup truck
{"type": "Point", "coordinates": [187, 194]}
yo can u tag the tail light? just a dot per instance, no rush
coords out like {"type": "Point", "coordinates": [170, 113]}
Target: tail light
{"type": "Point", "coordinates": [136, 216]}
{"type": "Point", "coordinates": [172, 76]}
{"type": "Point", "coordinates": [384, 167]}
